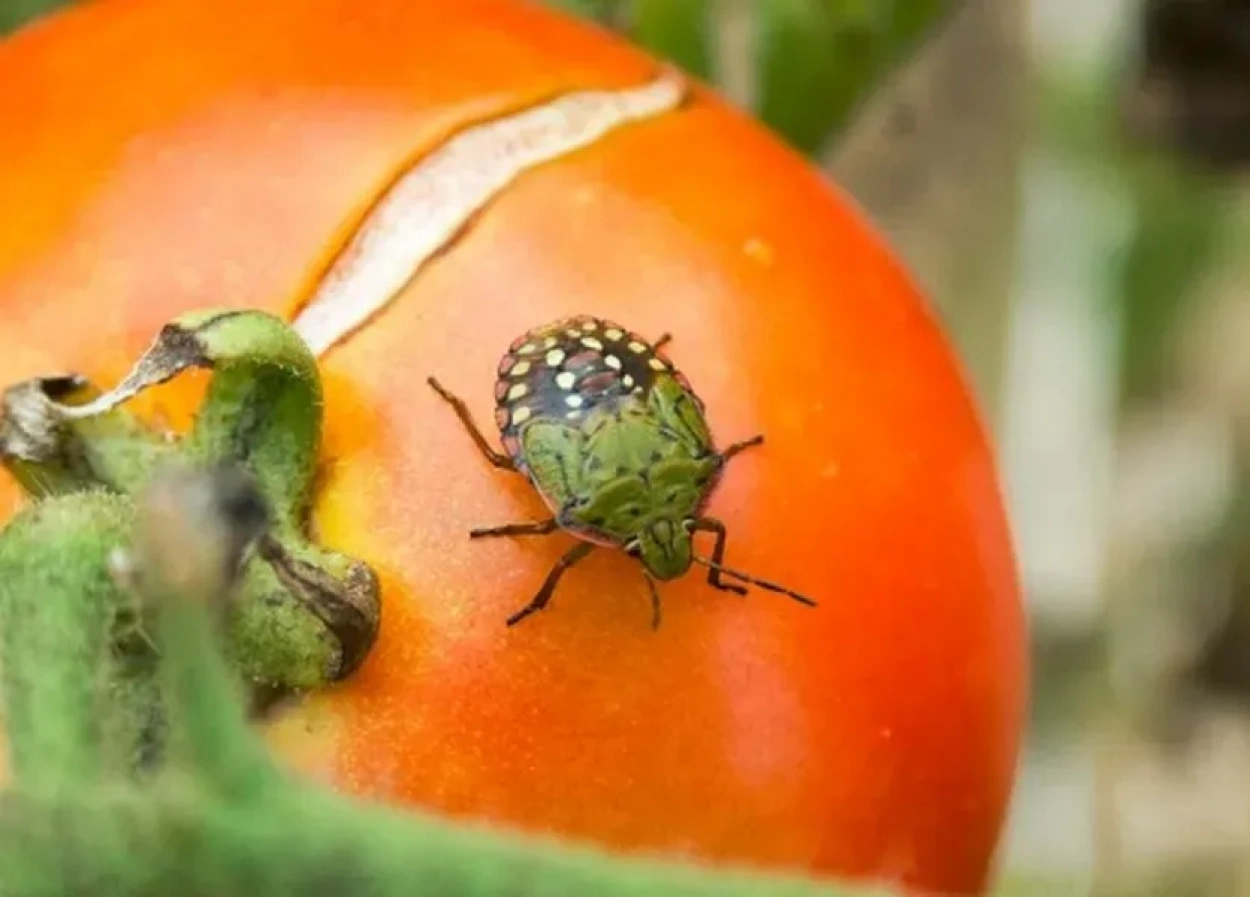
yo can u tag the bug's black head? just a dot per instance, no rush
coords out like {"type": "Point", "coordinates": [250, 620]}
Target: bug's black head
{"type": "Point", "coordinates": [664, 547]}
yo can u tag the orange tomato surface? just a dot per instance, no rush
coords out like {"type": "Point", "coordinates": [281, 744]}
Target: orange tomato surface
{"type": "Point", "coordinates": [166, 155]}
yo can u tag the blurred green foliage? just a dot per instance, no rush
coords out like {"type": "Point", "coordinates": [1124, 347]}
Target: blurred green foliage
{"type": "Point", "coordinates": [677, 30]}
{"type": "Point", "coordinates": [1180, 218]}
{"type": "Point", "coordinates": [818, 58]}
{"type": "Point", "coordinates": [813, 61]}
{"type": "Point", "coordinates": [1179, 223]}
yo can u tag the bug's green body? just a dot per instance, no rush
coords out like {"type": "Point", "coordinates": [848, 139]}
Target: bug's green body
{"type": "Point", "coordinates": [615, 440]}
{"type": "Point", "coordinates": [635, 470]}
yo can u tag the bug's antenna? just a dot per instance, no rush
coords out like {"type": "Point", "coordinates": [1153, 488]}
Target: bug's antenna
{"type": "Point", "coordinates": [655, 600]}
{"type": "Point", "coordinates": [762, 583]}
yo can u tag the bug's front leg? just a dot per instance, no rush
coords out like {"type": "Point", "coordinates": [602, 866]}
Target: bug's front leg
{"type": "Point", "coordinates": [571, 557]}
{"type": "Point", "coordinates": [712, 525]}
{"type": "Point", "coordinates": [740, 446]}
{"type": "Point", "coordinates": [500, 460]}
{"type": "Point", "coordinates": [535, 528]}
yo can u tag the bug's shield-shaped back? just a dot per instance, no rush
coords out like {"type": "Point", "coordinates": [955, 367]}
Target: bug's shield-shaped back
{"type": "Point", "coordinates": [679, 410]}
{"type": "Point", "coordinates": [553, 454]}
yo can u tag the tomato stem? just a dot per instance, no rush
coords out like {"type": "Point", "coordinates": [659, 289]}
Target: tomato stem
{"type": "Point", "coordinates": [305, 615]}
{"type": "Point", "coordinates": [218, 817]}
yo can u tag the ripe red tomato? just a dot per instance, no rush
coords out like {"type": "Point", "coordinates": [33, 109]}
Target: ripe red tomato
{"type": "Point", "coordinates": [164, 156]}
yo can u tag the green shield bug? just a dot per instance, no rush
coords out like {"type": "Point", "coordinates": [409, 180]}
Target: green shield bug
{"type": "Point", "coordinates": [615, 441]}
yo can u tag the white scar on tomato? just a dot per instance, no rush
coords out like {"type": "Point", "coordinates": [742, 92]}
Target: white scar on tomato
{"type": "Point", "coordinates": [430, 203]}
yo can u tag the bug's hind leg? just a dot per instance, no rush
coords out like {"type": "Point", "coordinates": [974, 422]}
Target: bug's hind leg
{"type": "Point", "coordinates": [536, 528]}
{"type": "Point", "coordinates": [500, 460]}
{"type": "Point", "coordinates": [571, 557]}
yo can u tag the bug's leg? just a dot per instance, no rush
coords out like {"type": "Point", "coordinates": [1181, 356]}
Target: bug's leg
{"type": "Point", "coordinates": [655, 600]}
{"type": "Point", "coordinates": [740, 446]}
{"type": "Point", "coordinates": [571, 557]}
{"type": "Point", "coordinates": [712, 525]}
{"type": "Point", "coordinates": [663, 340]}
{"type": "Point", "coordinates": [498, 459]}
{"type": "Point", "coordinates": [536, 528]}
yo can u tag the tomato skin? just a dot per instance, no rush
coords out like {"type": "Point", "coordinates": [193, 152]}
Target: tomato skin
{"type": "Point", "coordinates": [167, 156]}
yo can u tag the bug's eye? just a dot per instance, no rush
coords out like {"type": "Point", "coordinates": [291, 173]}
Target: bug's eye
{"type": "Point", "coordinates": [633, 549]}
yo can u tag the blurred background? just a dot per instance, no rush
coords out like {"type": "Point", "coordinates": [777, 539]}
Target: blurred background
{"type": "Point", "coordinates": [1064, 176]}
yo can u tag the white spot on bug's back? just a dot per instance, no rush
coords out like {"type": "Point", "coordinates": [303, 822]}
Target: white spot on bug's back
{"type": "Point", "coordinates": [424, 210]}
{"type": "Point", "coordinates": [573, 401]}
{"type": "Point", "coordinates": [589, 325]}
{"type": "Point", "coordinates": [566, 379]}
{"type": "Point", "coordinates": [520, 369]}
{"type": "Point", "coordinates": [637, 348]}
{"type": "Point", "coordinates": [612, 361]}
{"type": "Point", "coordinates": [591, 343]}
{"type": "Point", "coordinates": [613, 334]}
{"type": "Point", "coordinates": [656, 364]}
{"type": "Point", "coordinates": [517, 391]}
{"type": "Point", "coordinates": [527, 349]}
{"type": "Point", "coordinates": [520, 415]}
{"type": "Point", "coordinates": [573, 333]}
{"type": "Point", "coordinates": [573, 415]}
{"type": "Point", "coordinates": [549, 342]}
{"type": "Point", "coordinates": [628, 381]}
{"type": "Point", "coordinates": [554, 357]}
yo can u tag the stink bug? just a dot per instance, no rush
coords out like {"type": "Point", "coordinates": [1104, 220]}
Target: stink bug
{"type": "Point", "coordinates": [615, 441]}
